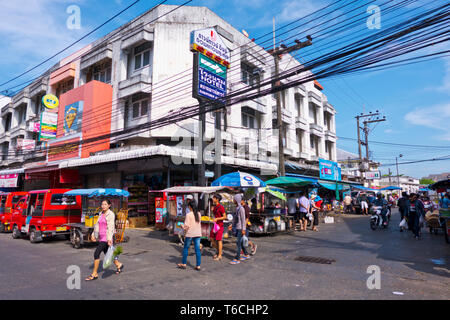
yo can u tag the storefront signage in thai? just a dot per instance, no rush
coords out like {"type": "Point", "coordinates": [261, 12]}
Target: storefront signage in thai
{"type": "Point", "coordinates": [50, 101]}
{"type": "Point", "coordinates": [62, 150]}
{"type": "Point", "coordinates": [34, 126]}
{"type": "Point", "coordinates": [208, 42]}
{"type": "Point", "coordinates": [329, 170]}
{"type": "Point", "coordinates": [25, 144]}
{"type": "Point", "coordinates": [211, 61]}
{"type": "Point", "coordinates": [48, 126]}
{"type": "Point", "coordinates": [8, 180]}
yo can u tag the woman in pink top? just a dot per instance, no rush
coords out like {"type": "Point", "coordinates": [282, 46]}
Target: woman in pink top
{"type": "Point", "coordinates": [193, 232]}
{"type": "Point", "coordinates": [104, 229]}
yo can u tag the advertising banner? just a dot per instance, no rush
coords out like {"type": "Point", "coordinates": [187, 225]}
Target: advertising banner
{"type": "Point", "coordinates": [209, 40]}
{"type": "Point", "coordinates": [49, 123]}
{"type": "Point", "coordinates": [34, 126]}
{"type": "Point", "coordinates": [371, 175]}
{"type": "Point", "coordinates": [8, 180]}
{"type": "Point", "coordinates": [329, 170]}
{"type": "Point", "coordinates": [73, 114]}
{"type": "Point", "coordinates": [25, 144]}
{"type": "Point", "coordinates": [63, 150]}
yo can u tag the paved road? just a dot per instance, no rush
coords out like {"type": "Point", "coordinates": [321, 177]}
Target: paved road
{"type": "Point", "coordinates": [420, 269]}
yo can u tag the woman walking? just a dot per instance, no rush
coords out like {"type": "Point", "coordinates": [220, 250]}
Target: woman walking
{"type": "Point", "coordinates": [104, 230]}
{"type": "Point", "coordinates": [315, 212]}
{"type": "Point", "coordinates": [193, 230]}
{"type": "Point", "coordinates": [216, 236]}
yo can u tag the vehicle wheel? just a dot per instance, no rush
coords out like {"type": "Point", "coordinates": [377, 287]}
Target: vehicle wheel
{"type": "Point", "coordinates": [272, 226]}
{"type": "Point", "coordinates": [33, 235]}
{"type": "Point", "coordinates": [2, 228]}
{"type": "Point", "coordinates": [75, 239]}
{"type": "Point", "coordinates": [373, 225]}
{"type": "Point", "coordinates": [15, 232]}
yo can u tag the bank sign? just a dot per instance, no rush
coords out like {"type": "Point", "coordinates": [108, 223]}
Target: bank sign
{"type": "Point", "coordinates": [210, 80]}
{"type": "Point", "coordinates": [329, 170]}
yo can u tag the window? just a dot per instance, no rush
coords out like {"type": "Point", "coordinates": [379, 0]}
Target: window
{"type": "Point", "coordinates": [22, 114]}
{"type": "Point", "coordinates": [249, 75]}
{"type": "Point", "coordinates": [15, 199]}
{"type": "Point", "coordinates": [140, 108]}
{"type": "Point", "coordinates": [102, 72]}
{"type": "Point", "coordinates": [249, 121]}
{"type": "Point", "coordinates": [312, 113]}
{"type": "Point", "coordinates": [299, 104]}
{"type": "Point", "coordinates": [61, 199]}
{"type": "Point", "coordinates": [40, 202]}
{"type": "Point", "coordinates": [142, 55]}
{"type": "Point", "coordinates": [312, 142]}
{"type": "Point", "coordinates": [63, 87]}
{"type": "Point", "coordinates": [300, 140]}
{"type": "Point", "coordinates": [8, 122]}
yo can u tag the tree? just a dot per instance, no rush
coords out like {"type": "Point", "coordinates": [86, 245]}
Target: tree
{"type": "Point", "coordinates": [426, 181]}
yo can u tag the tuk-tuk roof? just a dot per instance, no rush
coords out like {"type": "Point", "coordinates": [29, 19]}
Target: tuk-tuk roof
{"type": "Point", "coordinates": [48, 190]}
{"type": "Point", "coordinates": [98, 192]}
{"type": "Point", "coordinates": [194, 189]}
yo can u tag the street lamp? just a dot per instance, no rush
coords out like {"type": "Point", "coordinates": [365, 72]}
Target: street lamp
{"type": "Point", "coordinates": [396, 163]}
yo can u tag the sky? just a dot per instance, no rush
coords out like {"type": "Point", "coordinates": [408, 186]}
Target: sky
{"type": "Point", "coordinates": [414, 98]}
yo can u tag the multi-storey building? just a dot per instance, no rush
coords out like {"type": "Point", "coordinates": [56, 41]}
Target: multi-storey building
{"type": "Point", "coordinates": [142, 72]}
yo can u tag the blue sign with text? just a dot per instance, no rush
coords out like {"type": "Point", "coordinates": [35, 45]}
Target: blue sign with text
{"type": "Point", "coordinates": [329, 170]}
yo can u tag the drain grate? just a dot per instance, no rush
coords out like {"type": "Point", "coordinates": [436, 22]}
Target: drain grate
{"type": "Point", "coordinates": [315, 260]}
{"type": "Point", "coordinates": [134, 253]}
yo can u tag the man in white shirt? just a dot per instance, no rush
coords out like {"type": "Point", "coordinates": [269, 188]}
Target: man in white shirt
{"type": "Point", "coordinates": [304, 209]}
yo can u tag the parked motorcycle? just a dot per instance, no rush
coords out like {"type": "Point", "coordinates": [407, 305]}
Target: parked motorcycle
{"type": "Point", "coordinates": [376, 220]}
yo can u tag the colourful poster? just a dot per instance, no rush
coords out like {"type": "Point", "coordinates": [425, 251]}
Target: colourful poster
{"type": "Point", "coordinates": [73, 114]}
{"type": "Point", "coordinates": [49, 123]}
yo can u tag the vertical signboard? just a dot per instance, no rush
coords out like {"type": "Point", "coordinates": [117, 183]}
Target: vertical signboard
{"type": "Point", "coordinates": [48, 126]}
{"type": "Point", "coordinates": [211, 61]}
{"type": "Point", "coordinates": [73, 115]}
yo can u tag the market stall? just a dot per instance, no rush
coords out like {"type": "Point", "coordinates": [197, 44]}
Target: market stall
{"type": "Point", "coordinates": [443, 186]}
{"type": "Point", "coordinates": [176, 215]}
{"type": "Point", "coordinates": [80, 233]}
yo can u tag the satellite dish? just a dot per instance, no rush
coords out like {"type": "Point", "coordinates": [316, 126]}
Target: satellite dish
{"type": "Point", "coordinates": [245, 33]}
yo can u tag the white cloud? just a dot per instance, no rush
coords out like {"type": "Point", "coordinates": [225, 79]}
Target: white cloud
{"type": "Point", "coordinates": [435, 117]}
{"type": "Point", "coordinates": [31, 31]}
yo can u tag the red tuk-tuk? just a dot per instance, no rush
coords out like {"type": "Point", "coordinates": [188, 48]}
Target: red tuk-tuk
{"type": "Point", "coordinates": [44, 213]}
{"type": "Point", "coordinates": [7, 200]}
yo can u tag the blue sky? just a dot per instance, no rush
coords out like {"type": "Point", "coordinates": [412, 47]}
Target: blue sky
{"type": "Point", "coordinates": [414, 98]}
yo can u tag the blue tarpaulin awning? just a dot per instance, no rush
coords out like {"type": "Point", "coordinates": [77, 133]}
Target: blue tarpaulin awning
{"type": "Point", "coordinates": [332, 186]}
{"type": "Point", "coordinates": [98, 192]}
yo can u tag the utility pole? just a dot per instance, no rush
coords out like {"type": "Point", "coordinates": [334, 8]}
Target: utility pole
{"type": "Point", "coordinates": [389, 176]}
{"type": "Point", "coordinates": [277, 53]}
{"type": "Point", "coordinates": [372, 118]}
{"type": "Point", "coordinates": [398, 176]}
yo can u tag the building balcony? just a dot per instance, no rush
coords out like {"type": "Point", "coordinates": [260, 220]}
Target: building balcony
{"type": "Point", "coordinates": [286, 115]}
{"type": "Point", "coordinates": [136, 37]}
{"type": "Point", "coordinates": [315, 129]}
{"type": "Point", "coordinates": [314, 98]}
{"type": "Point", "coordinates": [328, 108]}
{"type": "Point", "coordinates": [135, 84]}
{"type": "Point", "coordinates": [20, 130]}
{"type": "Point", "coordinates": [31, 155]}
{"type": "Point", "coordinates": [256, 105]}
{"type": "Point", "coordinates": [22, 97]}
{"type": "Point", "coordinates": [7, 109]}
{"type": "Point", "coordinates": [300, 155]}
{"type": "Point", "coordinates": [38, 87]}
{"type": "Point", "coordinates": [19, 158]}
{"type": "Point", "coordinates": [5, 137]}
{"type": "Point", "coordinates": [289, 152]}
{"type": "Point", "coordinates": [301, 123]}
{"type": "Point", "coordinates": [96, 55]}
{"type": "Point", "coordinates": [330, 136]}
{"type": "Point", "coordinates": [301, 89]}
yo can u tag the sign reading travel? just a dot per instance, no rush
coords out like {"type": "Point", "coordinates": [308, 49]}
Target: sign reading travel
{"type": "Point", "coordinates": [211, 79]}
{"type": "Point", "coordinates": [73, 114]}
{"type": "Point", "coordinates": [329, 170]}
{"type": "Point", "coordinates": [49, 123]}
{"type": "Point", "coordinates": [50, 101]}
{"type": "Point", "coordinates": [209, 43]}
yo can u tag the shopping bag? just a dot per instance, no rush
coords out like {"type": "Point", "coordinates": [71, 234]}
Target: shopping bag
{"type": "Point", "coordinates": [421, 221]}
{"type": "Point", "coordinates": [109, 257]}
{"type": "Point", "coordinates": [403, 224]}
{"type": "Point", "coordinates": [245, 241]}
{"type": "Point", "coordinates": [216, 228]}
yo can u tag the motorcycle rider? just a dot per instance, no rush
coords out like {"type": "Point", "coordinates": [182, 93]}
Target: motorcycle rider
{"type": "Point", "coordinates": [381, 202]}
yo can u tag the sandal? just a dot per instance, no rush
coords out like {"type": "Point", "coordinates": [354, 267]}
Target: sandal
{"type": "Point", "coordinates": [217, 258]}
{"type": "Point", "coordinates": [119, 270]}
{"type": "Point", "coordinates": [198, 268]}
{"type": "Point", "coordinates": [91, 277]}
{"type": "Point", "coordinates": [234, 261]}
{"type": "Point", "coordinates": [181, 266]}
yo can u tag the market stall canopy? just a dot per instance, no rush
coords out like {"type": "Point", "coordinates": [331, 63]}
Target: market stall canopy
{"type": "Point", "coordinates": [288, 182]}
{"type": "Point", "coordinates": [194, 189]}
{"type": "Point", "coordinates": [98, 192]}
{"type": "Point", "coordinates": [332, 186]}
{"type": "Point", "coordinates": [238, 179]}
{"type": "Point", "coordinates": [443, 184]}
{"type": "Point", "coordinates": [390, 188]}
{"type": "Point", "coordinates": [424, 190]}
{"type": "Point", "coordinates": [275, 193]}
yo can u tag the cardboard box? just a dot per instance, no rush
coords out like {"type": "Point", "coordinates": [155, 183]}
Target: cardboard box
{"type": "Point", "coordinates": [138, 222]}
